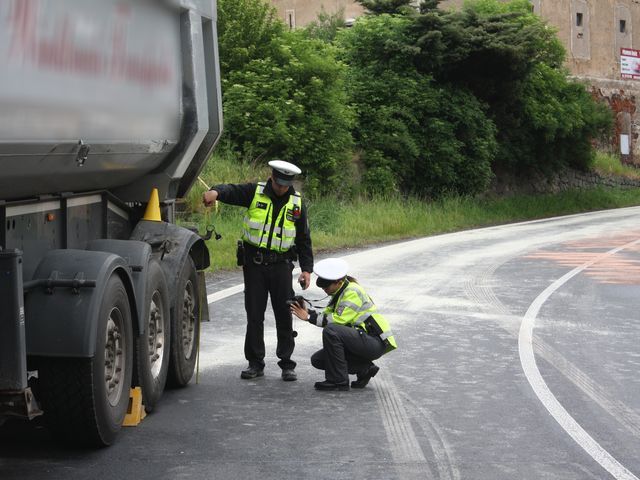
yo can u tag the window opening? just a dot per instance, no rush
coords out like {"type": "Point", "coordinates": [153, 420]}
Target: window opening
{"type": "Point", "coordinates": [579, 19]}
{"type": "Point", "coordinates": [291, 19]}
{"type": "Point", "coordinates": [623, 26]}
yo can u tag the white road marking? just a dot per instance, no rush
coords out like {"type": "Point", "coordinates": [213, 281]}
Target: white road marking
{"type": "Point", "coordinates": [548, 399]}
{"type": "Point", "coordinates": [222, 294]}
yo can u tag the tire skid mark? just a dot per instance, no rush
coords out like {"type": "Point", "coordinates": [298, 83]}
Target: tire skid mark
{"type": "Point", "coordinates": [402, 440]}
{"type": "Point", "coordinates": [442, 451]}
{"type": "Point", "coordinates": [626, 416]}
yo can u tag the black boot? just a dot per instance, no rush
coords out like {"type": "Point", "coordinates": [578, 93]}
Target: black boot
{"type": "Point", "coordinates": [252, 372]}
{"type": "Point", "coordinates": [289, 375]}
{"type": "Point", "coordinates": [364, 377]}
{"type": "Point", "coordinates": [328, 386]}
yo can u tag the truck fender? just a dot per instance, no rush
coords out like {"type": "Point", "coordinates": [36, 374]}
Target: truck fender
{"type": "Point", "coordinates": [62, 321]}
{"type": "Point", "coordinates": [137, 256]}
{"type": "Point", "coordinates": [172, 244]}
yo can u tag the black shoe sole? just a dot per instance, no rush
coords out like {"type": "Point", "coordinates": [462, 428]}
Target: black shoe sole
{"type": "Point", "coordinates": [336, 388]}
{"type": "Point", "coordinates": [249, 376]}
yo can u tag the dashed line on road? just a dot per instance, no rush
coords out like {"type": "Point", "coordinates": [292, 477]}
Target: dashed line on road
{"type": "Point", "coordinates": [542, 391]}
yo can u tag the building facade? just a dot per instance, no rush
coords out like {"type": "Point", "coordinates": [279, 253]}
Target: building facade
{"type": "Point", "coordinates": [593, 32]}
{"type": "Point", "coordinates": [298, 13]}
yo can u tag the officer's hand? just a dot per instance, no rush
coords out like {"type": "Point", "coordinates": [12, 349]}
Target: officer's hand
{"type": "Point", "coordinates": [299, 312]}
{"type": "Point", "coordinates": [304, 280]}
{"type": "Point", "coordinates": [209, 197]}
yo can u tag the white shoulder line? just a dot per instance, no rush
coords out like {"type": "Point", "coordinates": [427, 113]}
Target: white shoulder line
{"type": "Point", "coordinates": [548, 399]}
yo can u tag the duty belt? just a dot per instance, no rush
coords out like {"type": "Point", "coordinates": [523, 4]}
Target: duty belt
{"type": "Point", "coordinates": [262, 256]}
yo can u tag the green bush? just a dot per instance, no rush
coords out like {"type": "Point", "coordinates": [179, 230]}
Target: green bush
{"type": "Point", "coordinates": [245, 31]}
{"type": "Point", "coordinates": [292, 106]}
{"type": "Point", "coordinates": [432, 139]}
{"type": "Point", "coordinates": [283, 95]}
{"type": "Point", "coordinates": [511, 60]}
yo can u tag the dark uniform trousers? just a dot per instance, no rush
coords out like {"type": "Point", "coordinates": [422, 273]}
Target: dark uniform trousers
{"type": "Point", "coordinates": [346, 350]}
{"type": "Point", "coordinates": [261, 281]}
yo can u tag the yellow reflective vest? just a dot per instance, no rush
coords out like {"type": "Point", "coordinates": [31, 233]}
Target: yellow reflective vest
{"type": "Point", "coordinates": [354, 308]}
{"type": "Point", "coordinates": [258, 220]}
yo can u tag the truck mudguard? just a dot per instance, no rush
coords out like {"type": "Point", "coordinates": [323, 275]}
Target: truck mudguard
{"type": "Point", "coordinates": [172, 243]}
{"type": "Point", "coordinates": [61, 320]}
{"type": "Point", "coordinates": [137, 255]}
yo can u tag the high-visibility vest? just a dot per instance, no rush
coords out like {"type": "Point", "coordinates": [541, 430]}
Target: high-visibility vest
{"type": "Point", "coordinates": [355, 308]}
{"type": "Point", "coordinates": [258, 220]}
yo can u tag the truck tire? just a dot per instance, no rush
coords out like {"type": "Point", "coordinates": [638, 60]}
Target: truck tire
{"type": "Point", "coordinates": [185, 327]}
{"type": "Point", "coordinates": [152, 346]}
{"type": "Point", "coordinates": [85, 399]}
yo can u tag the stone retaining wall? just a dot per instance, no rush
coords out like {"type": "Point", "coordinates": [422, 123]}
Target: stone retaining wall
{"type": "Point", "coordinates": [565, 180]}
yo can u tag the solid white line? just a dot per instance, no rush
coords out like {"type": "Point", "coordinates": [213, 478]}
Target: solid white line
{"type": "Point", "coordinates": [222, 294]}
{"type": "Point", "coordinates": [548, 399]}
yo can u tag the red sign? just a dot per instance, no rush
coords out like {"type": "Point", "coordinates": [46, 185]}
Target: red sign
{"type": "Point", "coordinates": [630, 63]}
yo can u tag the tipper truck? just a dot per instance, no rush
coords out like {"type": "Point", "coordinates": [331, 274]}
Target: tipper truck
{"type": "Point", "coordinates": [109, 110]}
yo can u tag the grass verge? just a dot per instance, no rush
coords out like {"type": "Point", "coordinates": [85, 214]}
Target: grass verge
{"type": "Point", "coordinates": [608, 164]}
{"type": "Point", "coordinates": [361, 222]}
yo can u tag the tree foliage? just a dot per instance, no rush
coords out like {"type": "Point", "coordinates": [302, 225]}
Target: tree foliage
{"type": "Point", "coordinates": [391, 7]}
{"type": "Point", "coordinates": [327, 25]}
{"type": "Point", "coordinates": [415, 134]}
{"type": "Point", "coordinates": [285, 99]}
{"type": "Point", "coordinates": [511, 60]}
{"type": "Point", "coordinates": [245, 32]}
{"type": "Point", "coordinates": [433, 99]}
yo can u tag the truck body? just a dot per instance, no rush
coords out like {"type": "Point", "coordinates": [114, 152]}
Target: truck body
{"type": "Point", "coordinates": [109, 110]}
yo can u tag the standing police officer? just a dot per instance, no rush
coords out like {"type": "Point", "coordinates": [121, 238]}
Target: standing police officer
{"type": "Point", "coordinates": [354, 333]}
{"type": "Point", "coordinates": [275, 231]}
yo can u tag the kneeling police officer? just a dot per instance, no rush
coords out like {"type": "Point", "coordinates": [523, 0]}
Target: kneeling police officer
{"type": "Point", "coordinates": [354, 333]}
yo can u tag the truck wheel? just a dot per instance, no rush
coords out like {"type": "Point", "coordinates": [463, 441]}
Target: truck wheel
{"type": "Point", "coordinates": [85, 399]}
{"type": "Point", "coordinates": [152, 347]}
{"type": "Point", "coordinates": [185, 327]}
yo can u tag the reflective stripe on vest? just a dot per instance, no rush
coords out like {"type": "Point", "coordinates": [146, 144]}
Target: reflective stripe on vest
{"type": "Point", "coordinates": [258, 221]}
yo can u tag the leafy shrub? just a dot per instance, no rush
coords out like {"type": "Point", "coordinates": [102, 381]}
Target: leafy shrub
{"type": "Point", "coordinates": [283, 95]}
{"type": "Point", "coordinates": [434, 139]}
{"type": "Point", "coordinates": [292, 106]}
{"type": "Point", "coordinates": [511, 60]}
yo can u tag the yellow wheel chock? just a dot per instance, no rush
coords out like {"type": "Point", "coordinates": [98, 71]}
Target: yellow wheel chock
{"type": "Point", "coordinates": [135, 412]}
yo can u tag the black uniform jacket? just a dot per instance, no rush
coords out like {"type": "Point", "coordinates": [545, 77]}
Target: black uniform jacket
{"type": "Point", "coordinates": [242, 195]}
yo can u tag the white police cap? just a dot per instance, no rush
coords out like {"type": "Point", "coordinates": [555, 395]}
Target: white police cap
{"type": "Point", "coordinates": [284, 172]}
{"type": "Point", "coordinates": [331, 268]}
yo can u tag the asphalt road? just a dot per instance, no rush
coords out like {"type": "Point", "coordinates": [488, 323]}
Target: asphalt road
{"type": "Point", "coordinates": [518, 359]}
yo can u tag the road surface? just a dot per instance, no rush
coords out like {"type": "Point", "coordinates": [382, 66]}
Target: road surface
{"type": "Point", "coordinates": [518, 359]}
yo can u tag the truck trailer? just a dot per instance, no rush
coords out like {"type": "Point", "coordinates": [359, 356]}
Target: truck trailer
{"type": "Point", "coordinates": [109, 110]}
